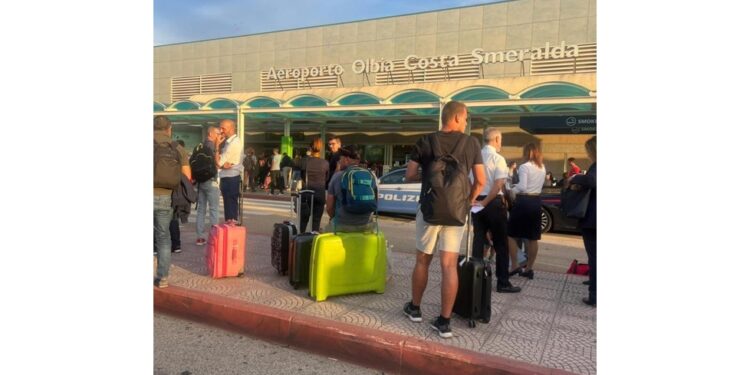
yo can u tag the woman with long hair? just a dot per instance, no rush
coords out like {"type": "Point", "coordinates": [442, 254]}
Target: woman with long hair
{"type": "Point", "coordinates": [314, 174]}
{"type": "Point", "coordinates": [526, 215]}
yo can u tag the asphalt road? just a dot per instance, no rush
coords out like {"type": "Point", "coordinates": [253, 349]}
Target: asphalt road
{"type": "Point", "coordinates": [185, 347]}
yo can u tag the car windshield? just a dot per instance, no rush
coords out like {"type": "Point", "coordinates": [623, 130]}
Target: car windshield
{"type": "Point", "coordinates": [397, 177]}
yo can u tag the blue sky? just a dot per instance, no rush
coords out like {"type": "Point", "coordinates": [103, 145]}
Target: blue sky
{"type": "Point", "coordinates": [177, 21]}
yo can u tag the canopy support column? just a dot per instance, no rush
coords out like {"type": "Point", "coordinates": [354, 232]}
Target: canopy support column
{"type": "Point", "coordinates": [287, 144]}
{"type": "Point", "coordinates": [241, 127]}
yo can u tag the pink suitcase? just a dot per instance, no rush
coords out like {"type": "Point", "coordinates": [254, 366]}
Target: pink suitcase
{"type": "Point", "coordinates": [225, 253]}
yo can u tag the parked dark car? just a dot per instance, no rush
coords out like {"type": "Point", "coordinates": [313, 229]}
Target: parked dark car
{"type": "Point", "coordinates": [552, 217]}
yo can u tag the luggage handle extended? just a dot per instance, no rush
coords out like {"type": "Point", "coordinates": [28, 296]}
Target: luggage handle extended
{"type": "Point", "coordinates": [298, 195]}
{"type": "Point", "coordinates": [469, 238]}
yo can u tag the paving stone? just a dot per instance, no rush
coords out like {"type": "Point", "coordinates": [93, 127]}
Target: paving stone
{"type": "Point", "coordinates": [463, 336]}
{"type": "Point", "coordinates": [525, 301]}
{"type": "Point", "coordinates": [530, 330]}
{"type": "Point", "coordinates": [569, 361]}
{"type": "Point", "coordinates": [578, 309]}
{"type": "Point", "coordinates": [513, 347]}
{"type": "Point", "coordinates": [575, 323]}
{"type": "Point", "coordinates": [365, 317]}
{"type": "Point", "coordinates": [326, 309]}
{"type": "Point", "coordinates": [287, 302]}
{"type": "Point", "coordinates": [546, 324]}
{"type": "Point", "coordinates": [397, 322]}
{"type": "Point", "coordinates": [531, 315]}
{"type": "Point", "coordinates": [550, 294]}
{"type": "Point", "coordinates": [583, 343]}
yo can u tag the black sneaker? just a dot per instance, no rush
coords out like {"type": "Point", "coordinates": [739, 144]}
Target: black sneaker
{"type": "Point", "coordinates": [443, 329]}
{"type": "Point", "coordinates": [414, 314]}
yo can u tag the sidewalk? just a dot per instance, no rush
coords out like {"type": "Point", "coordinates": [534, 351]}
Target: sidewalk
{"type": "Point", "coordinates": [545, 327]}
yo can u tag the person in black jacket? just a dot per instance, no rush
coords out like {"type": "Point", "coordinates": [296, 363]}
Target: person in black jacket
{"type": "Point", "coordinates": [334, 144]}
{"type": "Point", "coordinates": [588, 223]}
{"type": "Point", "coordinates": [314, 174]}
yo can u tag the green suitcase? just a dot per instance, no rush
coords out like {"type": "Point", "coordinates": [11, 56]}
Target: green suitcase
{"type": "Point", "coordinates": [346, 263]}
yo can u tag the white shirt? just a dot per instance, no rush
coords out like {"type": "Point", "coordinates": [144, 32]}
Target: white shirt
{"type": "Point", "coordinates": [276, 162]}
{"type": "Point", "coordinates": [232, 153]}
{"type": "Point", "coordinates": [495, 168]}
{"type": "Point", "coordinates": [530, 179]}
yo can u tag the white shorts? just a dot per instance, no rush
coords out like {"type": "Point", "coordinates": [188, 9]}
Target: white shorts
{"type": "Point", "coordinates": [447, 238]}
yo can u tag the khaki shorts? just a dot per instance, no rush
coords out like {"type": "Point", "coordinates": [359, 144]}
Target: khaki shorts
{"type": "Point", "coordinates": [447, 238]}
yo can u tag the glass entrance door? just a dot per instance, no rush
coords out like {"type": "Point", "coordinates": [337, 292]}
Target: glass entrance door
{"type": "Point", "coordinates": [374, 158]}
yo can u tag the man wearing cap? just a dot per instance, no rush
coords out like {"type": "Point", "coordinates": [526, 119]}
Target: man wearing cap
{"type": "Point", "coordinates": [344, 221]}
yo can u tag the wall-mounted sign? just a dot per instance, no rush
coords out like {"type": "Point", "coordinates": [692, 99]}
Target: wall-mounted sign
{"type": "Point", "coordinates": [303, 73]}
{"type": "Point", "coordinates": [559, 124]}
{"type": "Point", "coordinates": [414, 62]}
{"type": "Point", "coordinates": [546, 52]}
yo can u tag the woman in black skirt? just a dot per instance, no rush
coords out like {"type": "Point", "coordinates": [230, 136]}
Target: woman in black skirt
{"type": "Point", "coordinates": [526, 216]}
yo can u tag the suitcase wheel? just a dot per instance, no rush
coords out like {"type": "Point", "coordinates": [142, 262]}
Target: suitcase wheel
{"type": "Point", "coordinates": [472, 323]}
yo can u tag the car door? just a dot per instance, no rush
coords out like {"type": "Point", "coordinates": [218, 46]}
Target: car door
{"type": "Point", "coordinates": [397, 196]}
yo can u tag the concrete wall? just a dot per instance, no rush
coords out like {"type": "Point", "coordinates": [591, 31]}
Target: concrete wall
{"type": "Point", "coordinates": [493, 27]}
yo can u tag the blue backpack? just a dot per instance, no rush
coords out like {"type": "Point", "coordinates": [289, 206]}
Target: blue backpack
{"type": "Point", "coordinates": [360, 191]}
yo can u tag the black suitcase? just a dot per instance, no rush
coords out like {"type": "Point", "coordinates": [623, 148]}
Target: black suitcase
{"type": "Point", "coordinates": [283, 234]}
{"type": "Point", "coordinates": [301, 248]}
{"type": "Point", "coordinates": [473, 300]}
{"type": "Point", "coordinates": [299, 260]}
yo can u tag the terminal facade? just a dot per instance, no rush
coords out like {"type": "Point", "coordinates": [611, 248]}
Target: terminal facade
{"type": "Point", "coordinates": [526, 66]}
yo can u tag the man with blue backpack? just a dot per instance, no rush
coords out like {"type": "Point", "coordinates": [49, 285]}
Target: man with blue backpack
{"type": "Point", "coordinates": [352, 195]}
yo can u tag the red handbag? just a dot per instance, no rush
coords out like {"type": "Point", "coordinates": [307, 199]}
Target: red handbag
{"type": "Point", "coordinates": [578, 268]}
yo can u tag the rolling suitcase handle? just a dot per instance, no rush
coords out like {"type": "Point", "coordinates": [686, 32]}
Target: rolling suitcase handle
{"type": "Point", "coordinates": [240, 220]}
{"type": "Point", "coordinates": [469, 238]}
{"type": "Point", "coordinates": [299, 208]}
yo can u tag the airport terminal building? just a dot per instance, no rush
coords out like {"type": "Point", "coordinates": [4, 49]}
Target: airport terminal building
{"type": "Point", "coordinates": [527, 66]}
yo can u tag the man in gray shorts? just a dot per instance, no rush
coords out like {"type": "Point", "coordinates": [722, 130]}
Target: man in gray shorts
{"type": "Point", "coordinates": [446, 237]}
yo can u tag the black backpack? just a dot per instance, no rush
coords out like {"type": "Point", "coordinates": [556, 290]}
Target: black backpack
{"type": "Point", "coordinates": [446, 201]}
{"type": "Point", "coordinates": [202, 164]}
{"type": "Point", "coordinates": [167, 166]}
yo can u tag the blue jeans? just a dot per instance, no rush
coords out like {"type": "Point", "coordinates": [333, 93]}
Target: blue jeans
{"type": "Point", "coordinates": [162, 216]}
{"type": "Point", "coordinates": [230, 191]}
{"type": "Point", "coordinates": [208, 193]}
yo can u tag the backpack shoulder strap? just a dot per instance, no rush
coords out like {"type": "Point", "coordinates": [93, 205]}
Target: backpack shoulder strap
{"type": "Point", "coordinates": [437, 152]}
{"type": "Point", "coordinates": [173, 145]}
{"type": "Point", "coordinates": [460, 145]}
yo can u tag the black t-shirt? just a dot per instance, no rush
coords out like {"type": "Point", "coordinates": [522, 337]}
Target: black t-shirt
{"type": "Point", "coordinates": [333, 160]}
{"type": "Point", "coordinates": [423, 154]}
{"type": "Point", "coordinates": [316, 172]}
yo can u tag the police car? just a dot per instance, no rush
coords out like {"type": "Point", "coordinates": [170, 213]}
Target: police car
{"type": "Point", "coordinates": [395, 195]}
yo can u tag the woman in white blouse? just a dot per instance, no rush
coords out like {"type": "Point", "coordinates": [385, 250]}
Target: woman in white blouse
{"type": "Point", "coordinates": [526, 216]}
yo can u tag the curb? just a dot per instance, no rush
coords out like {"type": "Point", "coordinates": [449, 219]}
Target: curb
{"type": "Point", "coordinates": [394, 353]}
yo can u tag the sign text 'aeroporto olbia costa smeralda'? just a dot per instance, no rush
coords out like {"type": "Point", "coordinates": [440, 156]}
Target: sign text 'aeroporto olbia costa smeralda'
{"type": "Point", "coordinates": [413, 62]}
